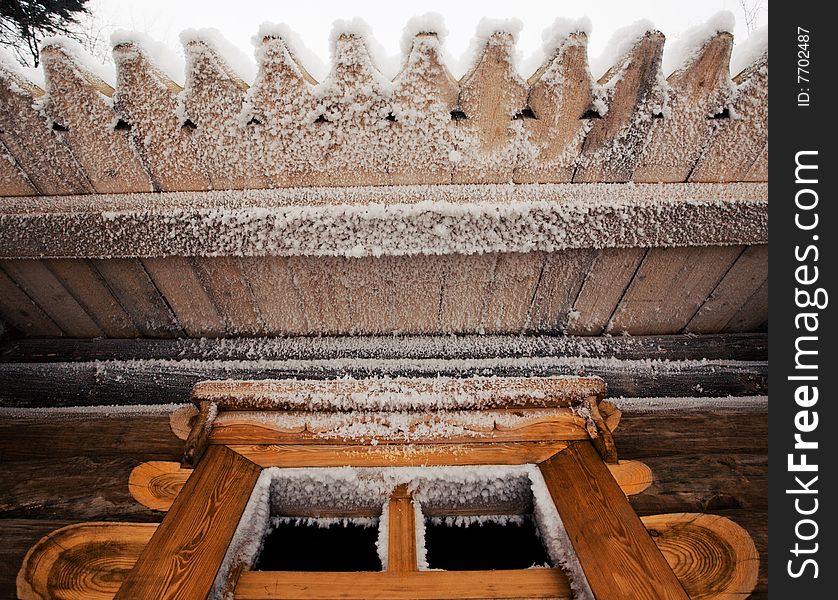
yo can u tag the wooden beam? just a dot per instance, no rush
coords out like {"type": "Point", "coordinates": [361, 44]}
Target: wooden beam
{"type": "Point", "coordinates": [185, 553]}
{"type": "Point", "coordinates": [401, 532]}
{"type": "Point", "coordinates": [158, 382]}
{"type": "Point", "coordinates": [534, 217]}
{"type": "Point", "coordinates": [734, 346]}
{"type": "Point", "coordinates": [418, 585]}
{"type": "Point", "coordinates": [617, 554]}
{"type": "Point", "coordinates": [410, 455]}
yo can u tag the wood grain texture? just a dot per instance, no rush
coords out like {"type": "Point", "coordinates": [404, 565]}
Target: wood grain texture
{"type": "Point", "coordinates": [84, 283]}
{"type": "Point", "coordinates": [86, 560]}
{"type": "Point", "coordinates": [276, 294]}
{"type": "Point", "coordinates": [506, 306]}
{"type": "Point", "coordinates": [81, 103]}
{"type": "Point", "coordinates": [684, 276]}
{"type": "Point", "coordinates": [401, 532]}
{"type": "Point", "coordinates": [418, 585]}
{"type": "Point", "coordinates": [558, 286]}
{"type": "Point", "coordinates": [230, 292]}
{"type": "Point", "coordinates": [156, 484]}
{"type": "Point", "coordinates": [604, 286]}
{"type": "Point", "coordinates": [560, 92]}
{"type": "Point", "coordinates": [185, 552]}
{"type": "Point", "coordinates": [393, 455]}
{"type": "Point", "coordinates": [744, 279]}
{"type": "Point", "coordinates": [712, 556]}
{"type": "Point", "coordinates": [13, 181]}
{"type": "Point", "coordinates": [20, 312]}
{"type": "Point", "coordinates": [617, 554]}
{"type": "Point", "coordinates": [615, 142]}
{"type": "Point", "coordinates": [41, 285]}
{"type": "Point", "coordinates": [133, 288]}
{"type": "Point", "coordinates": [178, 283]}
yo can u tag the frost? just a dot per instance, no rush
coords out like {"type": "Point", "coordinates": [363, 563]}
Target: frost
{"type": "Point", "coordinates": [30, 74]}
{"type": "Point", "coordinates": [553, 38]}
{"type": "Point", "coordinates": [429, 22]}
{"type": "Point", "coordinates": [387, 64]}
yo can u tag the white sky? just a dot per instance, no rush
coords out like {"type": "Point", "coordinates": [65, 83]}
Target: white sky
{"type": "Point", "coordinates": [239, 20]}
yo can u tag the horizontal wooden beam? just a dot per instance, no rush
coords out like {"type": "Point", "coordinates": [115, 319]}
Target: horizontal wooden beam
{"type": "Point", "coordinates": [730, 346]}
{"type": "Point", "coordinates": [164, 381]}
{"type": "Point", "coordinates": [416, 585]}
{"type": "Point", "coordinates": [395, 221]}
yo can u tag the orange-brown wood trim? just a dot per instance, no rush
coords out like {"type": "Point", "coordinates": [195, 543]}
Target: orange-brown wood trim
{"type": "Point", "coordinates": [617, 554]}
{"type": "Point", "coordinates": [186, 551]}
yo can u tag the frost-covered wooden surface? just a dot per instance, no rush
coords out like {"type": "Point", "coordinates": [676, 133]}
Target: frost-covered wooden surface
{"type": "Point", "coordinates": [210, 125]}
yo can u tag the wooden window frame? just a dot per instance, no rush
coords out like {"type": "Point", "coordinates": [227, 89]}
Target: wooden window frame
{"type": "Point", "coordinates": [617, 555]}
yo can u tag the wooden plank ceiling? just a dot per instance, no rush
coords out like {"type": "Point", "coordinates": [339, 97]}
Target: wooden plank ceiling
{"type": "Point", "coordinates": [704, 272]}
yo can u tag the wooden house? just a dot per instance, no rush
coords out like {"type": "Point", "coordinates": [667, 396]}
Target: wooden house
{"type": "Point", "coordinates": [392, 311]}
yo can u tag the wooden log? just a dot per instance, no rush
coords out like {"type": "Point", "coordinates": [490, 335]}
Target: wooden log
{"type": "Point", "coordinates": [466, 281]}
{"type": "Point", "coordinates": [742, 281]}
{"type": "Point", "coordinates": [148, 103]}
{"type": "Point", "coordinates": [322, 285]}
{"type": "Point", "coordinates": [712, 556]}
{"type": "Point", "coordinates": [687, 276]}
{"type": "Point", "coordinates": [753, 314]}
{"type": "Point", "coordinates": [618, 556]}
{"type": "Point", "coordinates": [558, 286]}
{"type": "Point", "coordinates": [759, 169]}
{"type": "Point", "coordinates": [39, 283]}
{"type": "Point", "coordinates": [632, 476]}
{"type": "Point", "coordinates": [133, 288]}
{"type": "Point", "coordinates": [604, 286]}
{"type": "Point", "coordinates": [280, 109]}
{"type": "Point", "coordinates": [37, 150]}
{"type": "Point", "coordinates": [560, 93]}
{"type": "Point", "coordinates": [179, 284]}
{"type": "Point", "coordinates": [88, 288]}
{"type": "Point", "coordinates": [401, 532]}
{"type": "Point", "coordinates": [156, 484]}
{"type": "Point", "coordinates": [424, 94]}
{"type": "Point", "coordinates": [182, 420]}
{"type": "Point", "coordinates": [86, 560]}
{"type": "Point", "coordinates": [614, 144]}
{"type": "Point", "coordinates": [80, 102]}
{"type": "Point", "coordinates": [18, 310]}
{"type": "Point", "coordinates": [159, 382]}
{"type": "Point", "coordinates": [740, 141]}
{"type": "Point", "coordinates": [700, 89]}
{"type": "Point", "coordinates": [733, 346]}
{"type": "Point", "coordinates": [183, 556]}
{"type": "Point", "coordinates": [488, 139]}
{"type": "Point", "coordinates": [226, 147]}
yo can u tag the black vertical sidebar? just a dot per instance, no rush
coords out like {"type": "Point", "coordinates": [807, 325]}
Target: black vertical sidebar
{"type": "Point", "coordinates": [802, 271]}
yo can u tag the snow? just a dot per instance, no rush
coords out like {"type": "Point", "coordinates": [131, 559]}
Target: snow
{"type": "Point", "coordinates": [159, 55]}
{"type": "Point", "coordinates": [429, 22]}
{"type": "Point", "coordinates": [749, 51]}
{"type": "Point", "coordinates": [307, 59]}
{"type": "Point", "coordinates": [620, 44]}
{"type": "Point", "coordinates": [485, 31]}
{"type": "Point", "coordinates": [243, 66]}
{"type": "Point", "coordinates": [553, 38]}
{"type": "Point", "coordinates": [682, 49]}
{"type": "Point", "coordinates": [9, 63]}
{"type": "Point", "coordinates": [74, 50]}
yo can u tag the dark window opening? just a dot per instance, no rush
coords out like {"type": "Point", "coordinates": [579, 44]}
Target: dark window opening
{"type": "Point", "coordinates": [299, 546]}
{"type": "Point", "coordinates": [189, 124]}
{"type": "Point", "coordinates": [122, 125]}
{"type": "Point", "coordinates": [56, 126]}
{"type": "Point", "coordinates": [487, 546]}
{"type": "Point", "coordinates": [458, 115]}
{"type": "Point", "coordinates": [390, 117]}
{"type": "Point", "coordinates": [525, 113]}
